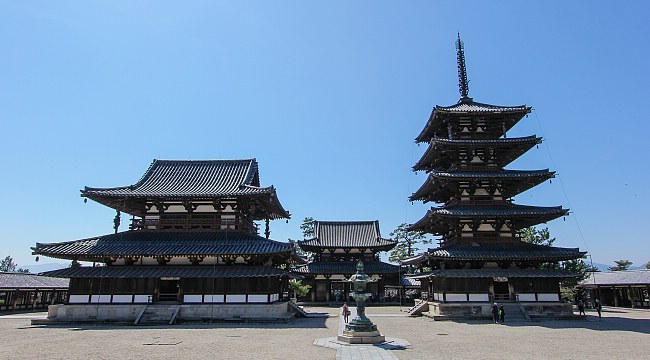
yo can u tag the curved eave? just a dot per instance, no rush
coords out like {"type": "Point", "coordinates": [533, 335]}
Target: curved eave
{"type": "Point", "coordinates": [435, 188]}
{"type": "Point", "coordinates": [440, 114]}
{"type": "Point", "coordinates": [438, 220]}
{"type": "Point", "coordinates": [441, 153]}
{"type": "Point", "coordinates": [315, 247]}
{"type": "Point", "coordinates": [415, 260]}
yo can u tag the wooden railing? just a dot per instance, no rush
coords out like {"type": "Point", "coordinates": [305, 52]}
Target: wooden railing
{"type": "Point", "coordinates": [194, 224]}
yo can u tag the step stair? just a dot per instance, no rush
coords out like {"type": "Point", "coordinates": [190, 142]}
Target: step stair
{"type": "Point", "coordinates": [158, 315]}
{"type": "Point", "coordinates": [515, 312]}
{"type": "Point", "coordinates": [417, 309]}
{"type": "Point", "coordinates": [298, 310]}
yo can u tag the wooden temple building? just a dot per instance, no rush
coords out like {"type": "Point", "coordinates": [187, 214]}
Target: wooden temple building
{"type": "Point", "coordinates": [25, 291]}
{"type": "Point", "coordinates": [337, 246]}
{"type": "Point", "coordinates": [192, 244]}
{"type": "Point", "coordinates": [481, 258]}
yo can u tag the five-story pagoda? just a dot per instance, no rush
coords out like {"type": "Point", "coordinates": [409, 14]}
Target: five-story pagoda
{"type": "Point", "coordinates": [481, 258]}
{"type": "Point", "coordinates": [192, 244]}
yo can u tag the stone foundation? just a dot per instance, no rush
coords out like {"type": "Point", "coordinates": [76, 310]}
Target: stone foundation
{"type": "Point", "coordinates": [192, 312]}
{"type": "Point", "coordinates": [484, 310]}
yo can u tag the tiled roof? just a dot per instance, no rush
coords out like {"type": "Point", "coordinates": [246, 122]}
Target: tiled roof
{"type": "Point", "coordinates": [152, 243]}
{"type": "Point", "coordinates": [443, 153]}
{"type": "Point", "coordinates": [512, 181]}
{"type": "Point", "coordinates": [512, 251]}
{"type": "Point", "coordinates": [440, 115]}
{"type": "Point", "coordinates": [628, 277]}
{"type": "Point", "coordinates": [476, 107]}
{"type": "Point", "coordinates": [347, 234]}
{"type": "Point", "coordinates": [407, 280]}
{"type": "Point", "coordinates": [346, 268]}
{"type": "Point", "coordinates": [438, 219]}
{"type": "Point", "coordinates": [192, 179]}
{"type": "Point", "coordinates": [24, 281]}
{"type": "Point", "coordinates": [200, 271]}
{"type": "Point", "coordinates": [488, 273]}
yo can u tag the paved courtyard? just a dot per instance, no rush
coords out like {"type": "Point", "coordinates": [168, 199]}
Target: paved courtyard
{"type": "Point", "coordinates": [621, 333]}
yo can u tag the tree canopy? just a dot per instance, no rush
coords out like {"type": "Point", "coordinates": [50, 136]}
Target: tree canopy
{"type": "Point", "coordinates": [8, 265]}
{"type": "Point", "coordinates": [647, 266]}
{"type": "Point", "coordinates": [536, 236]}
{"type": "Point", "coordinates": [307, 227]}
{"type": "Point", "coordinates": [407, 243]}
{"type": "Point", "coordinates": [621, 265]}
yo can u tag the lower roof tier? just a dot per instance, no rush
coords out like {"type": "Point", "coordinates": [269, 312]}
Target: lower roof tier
{"type": "Point", "coordinates": [490, 273]}
{"type": "Point", "coordinates": [441, 186]}
{"type": "Point", "coordinates": [497, 252]}
{"type": "Point", "coordinates": [163, 243]}
{"type": "Point", "coordinates": [141, 272]}
{"type": "Point", "coordinates": [346, 268]}
{"type": "Point", "coordinates": [442, 219]}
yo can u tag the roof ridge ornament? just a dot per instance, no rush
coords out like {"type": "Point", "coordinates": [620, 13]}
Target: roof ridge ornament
{"type": "Point", "coordinates": [463, 83]}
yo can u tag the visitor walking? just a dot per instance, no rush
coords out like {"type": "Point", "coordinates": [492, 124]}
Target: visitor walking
{"type": "Point", "coordinates": [346, 312]}
{"type": "Point", "coordinates": [581, 307]}
{"type": "Point", "coordinates": [599, 308]}
{"type": "Point", "coordinates": [495, 313]}
{"type": "Point", "coordinates": [502, 314]}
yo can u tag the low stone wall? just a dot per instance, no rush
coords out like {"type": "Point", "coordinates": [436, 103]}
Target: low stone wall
{"type": "Point", "coordinates": [191, 312]}
{"type": "Point", "coordinates": [548, 309]}
{"type": "Point", "coordinates": [460, 309]}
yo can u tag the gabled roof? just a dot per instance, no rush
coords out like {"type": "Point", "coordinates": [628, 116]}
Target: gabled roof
{"type": "Point", "coordinates": [435, 188]}
{"type": "Point", "coordinates": [521, 251]}
{"type": "Point", "coordinates": [347, 234]}
{"type": "Point", "coordinates": [26, 281]}
{"type": "Point", "coordinates": [489, 273]}
{"type": "Point", "coordinates": [141, 272]}
{"type": "Point", "coordinates": [438, 220]}
{"type": "Point", "coordinates": [192, 179]}
{"type": "Point", "coordinates": [346, 268]}
{"type": "Point", "coordinates": [613, 278]}
{"type": "Point", "coordinates": [443, 153]}
{"type": "Point", "coordinates": [163, 243]}
{"type": "Point", "coordinates": [506, 115]}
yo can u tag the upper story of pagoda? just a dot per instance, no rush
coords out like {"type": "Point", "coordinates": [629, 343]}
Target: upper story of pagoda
{"type": "Point", "coordinates": [194, 195]}
{"type": "Point", "coordinates": [347, 241]}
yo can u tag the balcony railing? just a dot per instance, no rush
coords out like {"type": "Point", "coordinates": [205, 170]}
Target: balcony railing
{"type": "Point", "coordinates": [194, 224]}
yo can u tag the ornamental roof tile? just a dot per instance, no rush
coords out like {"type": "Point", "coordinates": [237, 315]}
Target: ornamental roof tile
{"type": "Point", "coordinates": [627, 277]}
{"type": "Point", "coordinates": [346, 268]}
{"type": "Point", "coordinates": [488, 273]}
{"type": "Point", "coordinates": [476, 107]}
{"type": "Point", "coordinates": [24, 281]}
{"type": "Point", "coordinates": [200, 271]}
{"type": "Point", "coordinates": [154, 243]}
{"type": "Point", "coordinates": [347, 234]}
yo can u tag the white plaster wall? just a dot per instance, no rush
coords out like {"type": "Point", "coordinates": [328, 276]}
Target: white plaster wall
{"type": "Point", "coordinates": [79, 299]}
{"type": "Point", "coordinates": [122, 298]}
{"type": "Point", "coordinates": [213, 298]}
{"type": "Point", "coordinates": [479, 297]}
{"type": "Point", "coordinates": [257, 298]}
{"type": "Point", "coordinates": [275, 297]}
{"type": "Point", "coordinates": [548, 297]}
{"type": "Point", "coordinates": [526, 297]}
{"type": "Point", "coordinates": [235, 298]}
{"type": "Point", "coordinates": [192, 298]}
{"type": "Point", "coordinates": [142, 298]}
{"type": "Point", "coordinates": [456, 297]}
{"type": "Point", "coordinates": [100, 299]}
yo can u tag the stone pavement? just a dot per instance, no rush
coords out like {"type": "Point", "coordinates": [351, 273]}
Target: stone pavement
{"type": "Point", "coordinates": [346, 351]}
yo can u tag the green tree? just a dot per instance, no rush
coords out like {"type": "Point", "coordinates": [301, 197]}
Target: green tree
{"type": "Point", "coordinates": [621, 265]}
{"type": "Point", "coordinates": [407, 243]}
{"type": "Point", "coordinates": [298, 288]}
{"type": "Point", "coordinates": [307, 227]}
{"type": "Point", "coordinates": [74, 264]}
{"type": "Point", "coordinates": [7, 264]}
{"type": "Point", "coordinates": [536, 236]}
{"type": "Point", "coordinates": [647, 266]}
{"type": "Point", "coordinates": [579, 267]}
{"type": "Point", "coordinates": [298, 250]}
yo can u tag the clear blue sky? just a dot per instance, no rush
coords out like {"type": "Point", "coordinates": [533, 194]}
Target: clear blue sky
{"type": "Point", "coordinates": [328, 97]}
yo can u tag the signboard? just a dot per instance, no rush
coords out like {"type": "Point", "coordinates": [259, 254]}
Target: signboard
{"type": "Point", "coordinates": [500, 279]}
{"type": "Point", "coordinates": [170, 278]}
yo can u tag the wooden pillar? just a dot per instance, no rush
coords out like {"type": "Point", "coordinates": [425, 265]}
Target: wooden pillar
{"type": "Point", "coordinates": [328, 289]}
{"type": "Point", "coordinates": [615, 291]}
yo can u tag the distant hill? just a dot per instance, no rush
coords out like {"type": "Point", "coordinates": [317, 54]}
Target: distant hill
{"type": "Point", "coordinates": [605, 267]}
{"type": "Point", "coordinates": [39, 268]}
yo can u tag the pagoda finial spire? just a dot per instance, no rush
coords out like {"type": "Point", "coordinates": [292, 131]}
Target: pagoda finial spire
{"type": "Point", "coordinates": [463, 83]}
